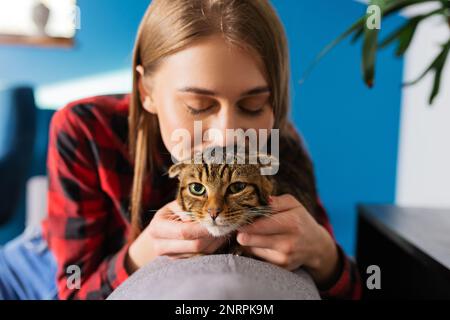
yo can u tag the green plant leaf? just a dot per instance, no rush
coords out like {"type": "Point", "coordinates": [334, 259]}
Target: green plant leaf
{"type": "Point", "coordinates": [438, 73]}
{"type": "Point", "coordinates": [406, 32]}
{"type": "Point", "coordinates": [398, 33]}
{"type": "Point", "coordinates": [388, 7]}
{"type": "Point", "coordinates": [405, 38]}
{"type": "Point", "coordinates": [357, 35]}
{"type": "Point", "coordinates": [437, 65]}
{"type": "Point", "coordinates": [394, 6]}
{"type": "Point", "coordinates": [436, 84]}
{"type": "Point", "coordinates": [359, 24]}
{"type": "Point", "coordinates": [369, 51]}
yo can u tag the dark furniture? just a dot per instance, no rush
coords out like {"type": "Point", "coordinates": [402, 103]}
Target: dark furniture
{"type": "Point", "coordinates": [412, 248]}
{"type": "Point", "coordinates": [17, 137]}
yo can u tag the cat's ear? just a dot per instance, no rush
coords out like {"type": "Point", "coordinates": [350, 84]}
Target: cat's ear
{"type": "Point", "coordinates": [268, 163]}
{"type": "Point", "coordinates": [265, 159]}
{"type": "Point", "coordinates": [175, 169]}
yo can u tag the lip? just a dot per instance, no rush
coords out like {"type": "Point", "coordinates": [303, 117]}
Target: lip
{"type": "Point", "coordinates": [215, 224]}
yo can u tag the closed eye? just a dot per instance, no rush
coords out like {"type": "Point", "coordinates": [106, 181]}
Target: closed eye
{"type": "Point", "coordinates": [196, 111]}
{"type": "Point", "coordinates": [242, 109]}
{"type": "Point", "coordinates": [252, 112]}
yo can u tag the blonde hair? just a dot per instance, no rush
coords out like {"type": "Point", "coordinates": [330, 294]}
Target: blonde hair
{"type": "Point", "coordinates": [169, 26]}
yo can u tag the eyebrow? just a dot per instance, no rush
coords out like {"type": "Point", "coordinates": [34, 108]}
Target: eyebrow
{"type": "Point", "coordinates": [207, 92]}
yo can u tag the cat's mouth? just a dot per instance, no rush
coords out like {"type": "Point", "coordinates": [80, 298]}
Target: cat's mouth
{"type": "Point", "coordinates": [218, 228]}
{"type": "Point", "coordinates": [219, 231]}
{"type": "Point", "coordinates": [221, 225]}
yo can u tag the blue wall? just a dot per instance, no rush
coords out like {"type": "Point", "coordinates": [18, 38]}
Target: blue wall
{"type": "Point", "coordinates": [352, 132]}
{"type": "Point", "coordinates": [104, 43]}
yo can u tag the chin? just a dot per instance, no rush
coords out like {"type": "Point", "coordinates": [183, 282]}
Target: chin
{"type": "Point", "coordinates": [219, 231]}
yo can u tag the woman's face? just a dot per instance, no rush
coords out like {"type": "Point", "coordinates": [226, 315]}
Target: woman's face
{"type": "Point", "coordinates": [213, 82]}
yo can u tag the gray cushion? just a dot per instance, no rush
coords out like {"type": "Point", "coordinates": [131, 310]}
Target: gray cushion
{"type": "Point", "coordinates": [213, 277]}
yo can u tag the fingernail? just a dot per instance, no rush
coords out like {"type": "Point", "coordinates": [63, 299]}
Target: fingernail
{"type": "Point", "coordinates": [270, 200]}
{"type": "Point", "coordinates": [242, 237]}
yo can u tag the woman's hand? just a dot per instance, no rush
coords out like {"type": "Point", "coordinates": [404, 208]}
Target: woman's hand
{"type": "Point", "coordinates": [291, 238]}
{"type": "Point", "coordinates": [168, 235]}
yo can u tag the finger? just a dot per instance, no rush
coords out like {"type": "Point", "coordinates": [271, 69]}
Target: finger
{"type": "Point", "coordinates": [274, 242]}
{"type": "Point", "coordinates": [171, 229]}
{"type": "Point", "coordinates": [284, 202]}
{"type": "Point", "coordinates": [271, 256]}
{"type": "Point", "coordinates": [274, 224]}
{"type": "Point", "coordinates": [166, 227]}
{"type": "Point", "coordinates": [183, 255]}
{"type": "Point", "coordinates": [175, 211]}
{"type": "Point", "coordinates": [170, 247]}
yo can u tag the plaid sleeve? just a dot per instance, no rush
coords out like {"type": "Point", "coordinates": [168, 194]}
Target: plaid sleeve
{"type": "Point", "coordinates": [347, 283]}
{"type": "Point", "coordinates": [79, 213]}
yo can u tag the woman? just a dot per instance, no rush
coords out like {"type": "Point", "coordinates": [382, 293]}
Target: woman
{"type": "Point", "coordinates": [224, 63]}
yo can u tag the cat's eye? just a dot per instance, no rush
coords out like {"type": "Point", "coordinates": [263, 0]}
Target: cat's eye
{"type": "Point", "coordinates": [237, 187]}
{"type": "Point", "coordinates": [197, 189]}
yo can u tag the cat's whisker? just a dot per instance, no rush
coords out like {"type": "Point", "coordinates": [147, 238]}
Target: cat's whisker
{"type": "Point", "coordinates": [272, 217]}
{"type": "Point", "coordinates": [250, 210]}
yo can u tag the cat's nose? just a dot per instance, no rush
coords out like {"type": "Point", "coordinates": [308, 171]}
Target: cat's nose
{"type": "Point", "coordinates": [214, 212]}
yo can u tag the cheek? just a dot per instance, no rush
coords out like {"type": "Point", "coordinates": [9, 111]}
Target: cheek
{"type": "Point", "coordinates": [192, 204]}
{"type": "Point", "coordinates": [176, 127]}
{"type": "Point", "coordinates": [264, 121]}
{"type": "Point", "coordinates": [267, 119]}
{"type": "Point", "coordinates": [247, 199]}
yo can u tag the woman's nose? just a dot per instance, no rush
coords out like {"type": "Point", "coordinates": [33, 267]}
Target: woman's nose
{"type": "Point", "coordinates": [225, 119]}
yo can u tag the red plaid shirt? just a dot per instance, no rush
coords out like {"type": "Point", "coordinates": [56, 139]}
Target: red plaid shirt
{"type": "Point", "coordinates": [90, 177]}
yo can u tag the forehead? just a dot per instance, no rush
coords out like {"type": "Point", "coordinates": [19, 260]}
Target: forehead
{"type": "Point", "coordinates": [215, 63]}
{"type": "Point", "coordinates": [213, 172]}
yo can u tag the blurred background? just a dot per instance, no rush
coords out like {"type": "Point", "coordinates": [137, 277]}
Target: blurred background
{"type": "Point", "coordinates": [380, 145]}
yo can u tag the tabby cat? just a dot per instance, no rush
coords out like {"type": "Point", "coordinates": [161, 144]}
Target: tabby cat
{"type": "Point", "coordinates": [224, 195]}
